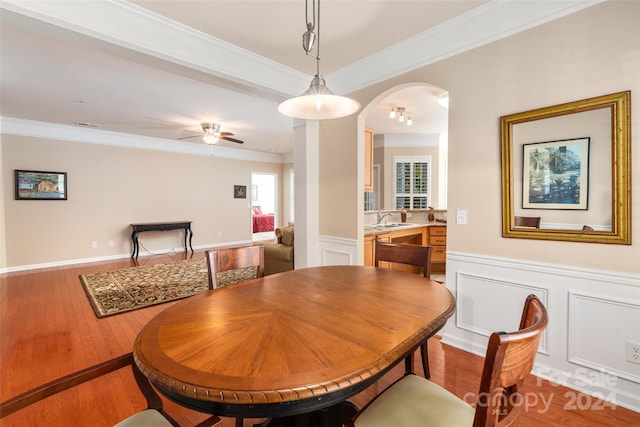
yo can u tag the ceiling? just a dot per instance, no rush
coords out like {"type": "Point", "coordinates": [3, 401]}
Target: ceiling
{"type": "Point", "coordinates": [159, 68]}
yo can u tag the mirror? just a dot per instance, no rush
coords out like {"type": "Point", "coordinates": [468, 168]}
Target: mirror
{"type": "Point", "coordinates": [570, 166]}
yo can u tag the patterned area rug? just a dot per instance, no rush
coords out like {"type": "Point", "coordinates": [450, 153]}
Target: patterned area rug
{"type": "Point", "coordinates": [118, 291]}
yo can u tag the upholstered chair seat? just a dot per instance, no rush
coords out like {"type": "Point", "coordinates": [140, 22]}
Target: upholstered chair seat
{"type": "Point", "coordinates": [420, 400]}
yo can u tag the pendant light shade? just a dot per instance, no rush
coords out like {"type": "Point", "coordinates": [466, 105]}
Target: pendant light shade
{"type": "Point", "coordinates": [318, 102]}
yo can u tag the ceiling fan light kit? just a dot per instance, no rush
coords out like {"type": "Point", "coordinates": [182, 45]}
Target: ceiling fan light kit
{"type": "Point", "coordinates": [318, 102]}
{"type": "Point", "coordinates": [212, 134]}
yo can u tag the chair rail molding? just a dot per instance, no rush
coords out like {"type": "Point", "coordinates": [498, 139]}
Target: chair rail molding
{"type": "Point", "coordinates": [592, 314]}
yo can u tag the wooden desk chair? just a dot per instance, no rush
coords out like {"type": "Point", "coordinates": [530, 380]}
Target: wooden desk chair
{"type": "Point", "coordinates": [233, 265]}
{"type": "Point", "coordinates": [527, 221]}
{"type": "Point", "coordinates": [414, 401]}
{"type": "Point", "coordinates": [154, 414]}
{"type": "Point", "coordinates": [416, 255]}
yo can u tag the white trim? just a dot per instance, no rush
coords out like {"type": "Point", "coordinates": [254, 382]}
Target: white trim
{"type": "Point", "coordinates": [605, 276]}
{"type": "Point", "coordinates": [133, 27]}
{"type": "Point", "coordinates": [128, 25]}
{"type": "Point", "coordinates": [14, 126]}
{"type": "Point", "coordinates": [492, 21]}
{"type": "Point", "coordinates": [112, 257]}
{"type": "Point", "coordinates": [561, 362]}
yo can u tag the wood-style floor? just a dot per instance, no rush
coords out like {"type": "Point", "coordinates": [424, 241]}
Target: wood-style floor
{"type": "Point", "coordinates": [48, 329]}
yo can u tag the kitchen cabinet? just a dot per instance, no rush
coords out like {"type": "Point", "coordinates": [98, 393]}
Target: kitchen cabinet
{"type": "Point", "coordinates": [370, 248]}
{"type": "Point", "coordinates": [368, 159]}
{"type": "Point", "coordinates": [438, 241]}
{"type": "Point", "coordinates": [433, 235]}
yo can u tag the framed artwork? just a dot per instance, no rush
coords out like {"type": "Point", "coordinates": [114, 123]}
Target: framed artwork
{"type": "Point", "coordinates": [239, 191]}
{"type": "Point", "coordinates": [40, 185]}
{"type": "Point", "coordinates": [556, 174]}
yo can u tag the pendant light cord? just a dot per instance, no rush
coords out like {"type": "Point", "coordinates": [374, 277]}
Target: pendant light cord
{"type": "Point", "coordinates": [318, 45]}
{"type": "Point", "coordinates": [311, 26]}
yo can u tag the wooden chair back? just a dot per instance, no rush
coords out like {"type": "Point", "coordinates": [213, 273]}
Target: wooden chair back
{"type": "Point", "coordinates": [403, 253]}
{"type": "Point", "coordinates": [247, 262]}
{"type": "Point", "coordinates": [509, 360]}
{"type": "Point", "coordinates": [527, 221]}
{"type": "Point", "coordinates": [42, 392]}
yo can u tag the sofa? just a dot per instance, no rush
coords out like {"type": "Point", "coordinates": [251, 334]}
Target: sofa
{"type": "Point", "coordinates": [278, 256]}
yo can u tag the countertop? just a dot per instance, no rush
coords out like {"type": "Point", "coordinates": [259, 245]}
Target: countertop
{"type": "Point", "coordinates": [372, 230]}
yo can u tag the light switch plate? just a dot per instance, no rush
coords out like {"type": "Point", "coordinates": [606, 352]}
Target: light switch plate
{"type": "Point", "coordinates": [461, 216]}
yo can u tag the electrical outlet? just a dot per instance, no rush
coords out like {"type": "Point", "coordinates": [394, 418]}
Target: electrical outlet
{"type": "Point", "coordinates": [94, 244]}
{"type": "Point", "coordinates": [110, 243]}
{"type": "Point", "coordinates": [633, 352]}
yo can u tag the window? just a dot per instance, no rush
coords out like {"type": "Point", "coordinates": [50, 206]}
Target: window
{"type": "Point", "coordinates": [413, 182]}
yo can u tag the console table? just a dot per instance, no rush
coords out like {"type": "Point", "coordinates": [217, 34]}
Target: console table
{"type": "Point", "coordinates": [161, 226]}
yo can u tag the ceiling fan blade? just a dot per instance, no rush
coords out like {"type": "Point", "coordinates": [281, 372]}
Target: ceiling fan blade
{"type": "Point", "coordinates": [226, 138]}
{"type": "Point", "coordinates": [226, 133]}
{"type": "Point", "coordinates": [188, 137]}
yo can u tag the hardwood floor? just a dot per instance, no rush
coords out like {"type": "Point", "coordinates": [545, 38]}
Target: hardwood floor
{"type": "Point", "coordinates": [48, 329]}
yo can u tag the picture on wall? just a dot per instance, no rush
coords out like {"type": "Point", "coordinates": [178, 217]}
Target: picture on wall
{"type": "Point", "coordinates": [40, 185]}
{"type": "Point", "coordinates": [556, 174]}
{"type": "Point", "coordinates": [239, 191]}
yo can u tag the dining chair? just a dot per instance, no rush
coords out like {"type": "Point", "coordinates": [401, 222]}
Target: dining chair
{"type": "Point", "coordinates": [154, 415]}
{"type": "Point", "coordinates": [416, 255]}
{"type": "Point", "coordinates": [227, 266]}
{"type": "Point", "coordinates": [415, 401]}
{"type": "Point", "coordinates": [527, 221]}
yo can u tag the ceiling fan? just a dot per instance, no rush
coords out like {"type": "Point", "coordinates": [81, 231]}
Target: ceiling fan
{"type": "Point", "coordinates": [212, 134]}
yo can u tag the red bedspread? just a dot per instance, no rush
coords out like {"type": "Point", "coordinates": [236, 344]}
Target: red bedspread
{"type": "Point", "coordinates": [262, 222]}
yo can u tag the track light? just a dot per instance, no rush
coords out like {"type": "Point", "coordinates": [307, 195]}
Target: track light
{"type": "Point", "coordinates": [403, 115]}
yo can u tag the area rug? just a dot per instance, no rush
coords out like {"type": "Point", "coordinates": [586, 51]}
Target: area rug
{"type": "Point", "coordinates": [119, 291]}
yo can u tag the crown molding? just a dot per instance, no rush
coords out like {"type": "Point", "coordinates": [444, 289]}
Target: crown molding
{"type": "Point", "coordinates": [133, 27]}
{"type": "Point", "coordinates": [492, 21]}
{"type": "Point", "coordinates": [35, 129]}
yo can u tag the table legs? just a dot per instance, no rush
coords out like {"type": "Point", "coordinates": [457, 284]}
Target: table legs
{"type": "Point", "coordinates": [134, 240]}
{"type": "Point", "coordinates": [334, 416]}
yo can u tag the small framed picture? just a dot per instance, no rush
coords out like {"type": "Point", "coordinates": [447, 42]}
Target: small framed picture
{"type": "Point", "coordinates": [40, 185]}
{"type": "Point", "coordinates": [556, 174]}
{"type": "Point", "coordinates": [239, 191]}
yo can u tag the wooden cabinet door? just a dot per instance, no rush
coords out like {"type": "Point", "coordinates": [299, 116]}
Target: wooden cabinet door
{"type": "Point", "coordinates": [369, 248]}
{"type": "Point", "coordinates": [368, 159]}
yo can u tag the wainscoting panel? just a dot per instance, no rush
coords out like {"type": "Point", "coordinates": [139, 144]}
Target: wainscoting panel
{"type": "Point", "coordinates": [480, 297]}
{"type": "Point", "coordinates": [337, 251]}
{"type": "Point", "coordinates": [592, 315]}
{"type": "Point", "coordinates": [587, 329]}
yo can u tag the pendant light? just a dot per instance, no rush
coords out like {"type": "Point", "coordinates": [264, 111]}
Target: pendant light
{"type": "Point", "coordinates": [318, 102]}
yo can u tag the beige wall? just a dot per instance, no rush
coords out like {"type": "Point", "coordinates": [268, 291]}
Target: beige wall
{"type": "Point", "coordinates": [593, 52]}
{"type": "Point", "coordinates": [109, 188]}
{"type": "Point", "coordinates": [338, 175]}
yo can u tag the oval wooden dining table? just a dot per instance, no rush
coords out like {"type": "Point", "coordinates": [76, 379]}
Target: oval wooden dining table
{"type": "Point", "coordinates": [289, 343]}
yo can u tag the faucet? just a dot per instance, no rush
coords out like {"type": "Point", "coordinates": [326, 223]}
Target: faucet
{"type": "Point", "coordinates": [381, 216]}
